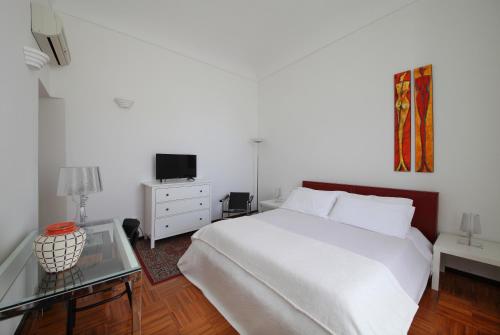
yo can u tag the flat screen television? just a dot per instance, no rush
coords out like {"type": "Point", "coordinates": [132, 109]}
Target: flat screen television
{"type": "Point", "coordinates": [170, 166]}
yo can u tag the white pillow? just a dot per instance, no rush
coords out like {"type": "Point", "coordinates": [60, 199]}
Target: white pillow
{"type": "Point", "coordinates": [372, 214]}
{"type": "Point", "coordinates": [309, 201]}
{"type": "Point", "coordinates": [389, 200]}
{"type": "Point", "coordinates": [393, 200]}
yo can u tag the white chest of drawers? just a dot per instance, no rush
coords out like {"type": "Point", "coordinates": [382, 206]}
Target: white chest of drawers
{"type": "Point", "coordinates": [174, 208]}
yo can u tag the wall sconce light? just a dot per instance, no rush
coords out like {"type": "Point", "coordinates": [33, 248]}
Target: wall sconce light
{"type": "Point", "coordinates": [124, 103]}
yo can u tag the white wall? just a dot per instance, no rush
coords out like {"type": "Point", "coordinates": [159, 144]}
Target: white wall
{"type": "Point", "coordinates": [181, 106]}
{"type": "Point", "coordinates": [18, 132]}
{"type": "Point", "coordinates": [330, 117]}
{"type": "Point", "coordinates": [51, 156]}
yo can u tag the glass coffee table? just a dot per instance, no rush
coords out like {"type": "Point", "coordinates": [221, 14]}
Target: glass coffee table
{"type": "Point", "coordinates": [107, 260]}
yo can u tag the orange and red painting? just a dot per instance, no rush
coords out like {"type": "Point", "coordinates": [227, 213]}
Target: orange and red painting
{"type": "Point", "coordinates": [424, 123]}
{"type": "Point", "coordinates": [402, 121]}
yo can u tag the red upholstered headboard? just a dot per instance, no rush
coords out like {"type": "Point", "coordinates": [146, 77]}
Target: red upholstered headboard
{"type": "Point", "coordinates": [426, 203]}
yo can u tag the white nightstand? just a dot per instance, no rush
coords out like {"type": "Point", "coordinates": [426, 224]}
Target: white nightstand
{"type": "Point", "coordinates": [266, 205]}
{"type": "Point", "coordinates": [447, 244]}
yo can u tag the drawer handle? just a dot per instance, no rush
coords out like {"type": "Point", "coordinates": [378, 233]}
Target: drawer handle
{"type": "Point", "coordinates": [201, 219]}
{"type": "Point", "coordinates": [201, 204]}
{"type": "Point", "coordinates": [166, 226]}
{"type": "Point", "coordinates": [168, 194]}
{"type": "Point", "coordinates": [166, 209]}
{"type": "Point", "coordinates": [201, 191]}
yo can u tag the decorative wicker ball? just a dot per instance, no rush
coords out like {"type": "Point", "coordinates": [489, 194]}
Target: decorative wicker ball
{"type": "Point", "coordinates": [58, 250]}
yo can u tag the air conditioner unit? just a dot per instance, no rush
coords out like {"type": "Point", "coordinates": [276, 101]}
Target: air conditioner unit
{"type": "Point", "coordinates": [48, 31]}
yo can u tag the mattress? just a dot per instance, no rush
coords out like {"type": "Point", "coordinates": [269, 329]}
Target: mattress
{"type": "Point", "coordinates": [252, 308]}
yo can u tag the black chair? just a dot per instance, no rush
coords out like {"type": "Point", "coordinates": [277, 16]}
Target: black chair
{"type": "Point", "coordinates": [236, 204]}
{"type": "Point", "coordinates": [72, 309]}
{"type": "Point", "coordinates": [131, 228]}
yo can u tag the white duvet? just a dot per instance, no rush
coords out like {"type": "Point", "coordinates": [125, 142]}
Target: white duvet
{"type": "Point", "coordinates": [341, 291]}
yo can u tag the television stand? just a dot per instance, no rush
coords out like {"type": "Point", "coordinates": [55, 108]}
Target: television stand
{"type": "Point", "coordinates": [175, 208]}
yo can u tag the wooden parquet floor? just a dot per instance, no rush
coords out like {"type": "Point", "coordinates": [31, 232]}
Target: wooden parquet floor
{"type": "Point", "coordinates": [466, 306]}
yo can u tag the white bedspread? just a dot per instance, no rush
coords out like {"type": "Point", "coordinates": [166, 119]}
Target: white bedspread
{"type": "Point", "coordinates": [409, 260]}
{"type": "Point", "coordinates": [343, 292]}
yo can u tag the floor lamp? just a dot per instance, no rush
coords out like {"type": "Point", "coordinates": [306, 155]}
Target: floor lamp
{"type": "Point", "coordinates": [257, 141]}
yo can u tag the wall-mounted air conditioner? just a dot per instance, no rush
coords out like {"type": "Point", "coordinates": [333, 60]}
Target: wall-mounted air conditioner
{"type": "Point", "coordinates": [48, 31]}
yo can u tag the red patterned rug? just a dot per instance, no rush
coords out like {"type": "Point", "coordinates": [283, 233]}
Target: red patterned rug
{"type": "Point", "coordinates": [160, 263]}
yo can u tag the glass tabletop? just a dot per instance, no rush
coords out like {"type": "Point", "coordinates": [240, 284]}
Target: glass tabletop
{"type": "Point", "coordinates": [107, 254]}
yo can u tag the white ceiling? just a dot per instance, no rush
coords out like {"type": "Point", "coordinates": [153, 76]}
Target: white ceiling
{"type": "Point", "coordinates": [250, 38]}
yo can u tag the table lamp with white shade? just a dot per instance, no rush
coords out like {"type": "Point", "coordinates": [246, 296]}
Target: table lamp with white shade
{"type": "Point", "coordinates": [79, 181]}
{"type": "Point", "coordinates": [470, 225]}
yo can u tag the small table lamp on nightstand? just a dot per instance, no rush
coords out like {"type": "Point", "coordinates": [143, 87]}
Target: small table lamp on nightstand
{"type": "Point", "coordinates": [471, 225]}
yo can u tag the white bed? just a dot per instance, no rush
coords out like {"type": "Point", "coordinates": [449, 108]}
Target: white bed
{"type": "Point", "coordinates": [256, 306]}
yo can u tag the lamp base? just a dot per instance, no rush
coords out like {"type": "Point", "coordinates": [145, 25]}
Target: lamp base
{"type": "Point", "coordinates": [82, 212]}
{"type": "Point", "coordinates": [469, 242]}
